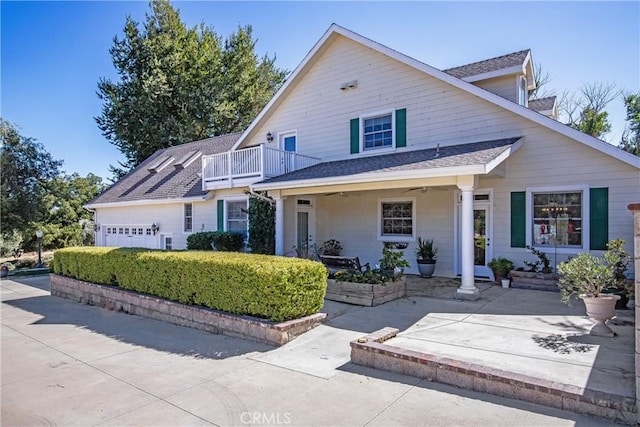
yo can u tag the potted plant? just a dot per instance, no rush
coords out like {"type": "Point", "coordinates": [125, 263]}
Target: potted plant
{"type": "Point", "coordinates": [501, 268]}
{"type": "Point", "coordinates": [619, 260]}
{"type": "Point", "coordinates": [426, 254]}
{"type": "Point", "coordinates": [587, 276]}
{"type": "Point", "coordinates": [392, 262]}
{"type": "Point", "coordinates": [330, 247]}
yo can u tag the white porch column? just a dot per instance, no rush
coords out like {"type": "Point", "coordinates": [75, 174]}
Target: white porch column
{"type": "Point", "coordinates": [467, 288]}
{"type": "Point", "coordinates": [279, 224]}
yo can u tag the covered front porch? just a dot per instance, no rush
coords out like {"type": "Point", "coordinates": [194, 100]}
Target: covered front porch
{"type": "Point", "coordinates": [367, 201]}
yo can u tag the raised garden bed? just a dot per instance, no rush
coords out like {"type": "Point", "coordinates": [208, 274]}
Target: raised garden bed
{"type": "Point", "coordinates": [534, 280]}
{"type": "Point", "coordinates": [364, 293]}
{"type": "Point", "coordinates": [215, 321]}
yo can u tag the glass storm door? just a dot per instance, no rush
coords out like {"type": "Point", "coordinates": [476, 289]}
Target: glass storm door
{"type": "Point", "coordinates": [481, 241]}
{"type": "Point", "coordinates": [305, 227]}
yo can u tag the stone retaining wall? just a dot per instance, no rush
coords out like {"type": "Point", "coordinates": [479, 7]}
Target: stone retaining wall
{"type": "Point", "coordinates": [370, 351]}
{"type": "Point", "coordinates": [202, 318]}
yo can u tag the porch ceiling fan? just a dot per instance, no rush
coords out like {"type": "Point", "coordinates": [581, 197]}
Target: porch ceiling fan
{"type": "Point", "coordinates": [342, 194]}
{"type": "Point", "coordinates": [424, 189]}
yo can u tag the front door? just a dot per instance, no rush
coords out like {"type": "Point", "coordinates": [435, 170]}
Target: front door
{"type": "Point", "coordinates": [482, 234]}
{"type": "Point", "coordinates": [481, 241]}
{"type": "Point", "coordinates": [305, 227]}
{"type": "Point", "coordinates": [288, 144]}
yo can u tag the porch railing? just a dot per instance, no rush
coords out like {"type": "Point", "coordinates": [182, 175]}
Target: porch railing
{"type": "Point", "coordinates": [260, 162]}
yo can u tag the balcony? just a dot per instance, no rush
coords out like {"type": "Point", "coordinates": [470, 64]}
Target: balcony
{"type": "Point", "coordinates": [244, 167]}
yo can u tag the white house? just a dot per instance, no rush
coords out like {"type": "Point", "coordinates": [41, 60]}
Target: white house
{"type": "Point", "coordinates": [366, 145]}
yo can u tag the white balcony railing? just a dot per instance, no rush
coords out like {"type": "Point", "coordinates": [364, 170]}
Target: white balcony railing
{"type": "Point", "coordinates": [256, 162]}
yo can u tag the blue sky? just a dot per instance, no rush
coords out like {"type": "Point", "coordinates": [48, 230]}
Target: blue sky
{"type": "Point", "coordinates": [54, 53]}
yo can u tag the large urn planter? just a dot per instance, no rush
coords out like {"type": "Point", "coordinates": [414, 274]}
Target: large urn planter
{"type": "Point", "coordinates": [601, 309]}
{"type": "Point", "coordinates": [426, 268]}
{"type": "Point", "coordinates": [364, 293]}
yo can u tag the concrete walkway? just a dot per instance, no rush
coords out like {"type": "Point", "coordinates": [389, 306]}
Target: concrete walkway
{"type": "Point", "coordinates": [70, 364]}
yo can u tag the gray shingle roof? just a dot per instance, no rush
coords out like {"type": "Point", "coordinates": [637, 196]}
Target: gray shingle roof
{"type": "Point", "coordinates": [170, 182]}
{"type": "Point", "coordinates": [488, 65]}
{"type": "Point", "coordinates": [542, 104]}
{"type": "Point", "coordinates": [449, 156]}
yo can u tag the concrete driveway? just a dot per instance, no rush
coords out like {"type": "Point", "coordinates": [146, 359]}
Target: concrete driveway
{"type": "Point", "coordinates": [69, 364]}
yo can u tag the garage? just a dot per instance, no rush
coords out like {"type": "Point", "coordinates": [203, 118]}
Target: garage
{"type": "Point", "coordinates": [130, 236]}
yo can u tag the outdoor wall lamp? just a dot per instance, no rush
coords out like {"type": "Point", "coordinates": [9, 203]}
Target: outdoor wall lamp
{"type": "Point", "coordinates": [269, 137]}
{"type": "Point", "coordinates": [96, 226]}
{"type": "Point", "coordinates": [155, 228]}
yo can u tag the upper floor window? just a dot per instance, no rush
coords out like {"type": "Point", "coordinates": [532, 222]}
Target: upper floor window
{"type": "Point", "coordinates": [188, 217]}
{"type": "Point", "coordinates": [378, 132]}
{"type": "Point", "coordinates": [384, 130]}
{"type": "Point", "coordinates": [523, 93]}
{"type": "Point", "coordinates": [557, 219]}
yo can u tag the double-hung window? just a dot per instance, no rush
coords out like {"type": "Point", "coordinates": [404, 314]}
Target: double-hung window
{"type": "Point", "coordinates": [237, 220]}
{"type": "Point", "coordinates": [188, 217]}
{"type": "Point", "coordinates": [378, 132]}
{"type": "Point", "coordinates": [397, 219]}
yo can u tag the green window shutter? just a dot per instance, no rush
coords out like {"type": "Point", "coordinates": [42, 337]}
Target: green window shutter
{"type": "Point", "coordinates": [518, 219]}
{"type": "Point", "coordinates": [220, 215]}
{"type": "Point", "coordinates": [598, 218]}
{"type": "Point", "coordinates": [401, 128]}
{"type": "Point", "coordinates": [355, 136]}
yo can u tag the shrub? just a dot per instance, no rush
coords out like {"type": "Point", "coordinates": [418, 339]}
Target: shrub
{"type": "Point", "coordinates": [262, 225]}
{"type": "Point", "coordinates": [276, 288]}
{"type": "Point", "coordinates": [225, 241]}
{"type": "Point", "coordinates": [201, 241]}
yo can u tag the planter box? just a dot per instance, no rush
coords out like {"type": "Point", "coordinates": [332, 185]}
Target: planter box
{"type": "Point", "coordinates": [205, 319]}
{"type": "Point", "coordinates": [364, 293]}
{"type": "Point", "coordinates": [535, 281]}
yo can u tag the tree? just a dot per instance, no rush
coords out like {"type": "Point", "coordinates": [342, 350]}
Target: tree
{"type": "Point", "coordinates": [25, 174]}
{"type": "Point", "coordinates": [542, 78]}
{"type": "Point", "coordinates": [585, 111]}
{"type": "Point", "coordinates": [630, 140]}
{"type": "Point", "coordinates": [178, 85]}
{"type": "Point", "coordinates": [66, 222]}
{"type": "Point", "coordinates": [262, 224]}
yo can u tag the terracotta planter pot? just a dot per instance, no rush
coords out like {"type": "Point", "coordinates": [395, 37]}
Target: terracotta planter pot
{"type": "Point", "coordinates": [601, 309]}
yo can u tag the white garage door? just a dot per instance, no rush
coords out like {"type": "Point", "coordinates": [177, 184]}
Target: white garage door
{"type": "Point", "coordinates": [130, 236]}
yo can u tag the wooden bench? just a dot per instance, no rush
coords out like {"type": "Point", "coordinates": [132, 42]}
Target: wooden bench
{"type": "Point", "coordinates": [337, 263]}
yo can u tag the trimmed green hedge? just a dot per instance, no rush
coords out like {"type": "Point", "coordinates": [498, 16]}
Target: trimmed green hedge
{"type": "Point", "coordinates": [276, 288]}
{"type": "Point", "coordinates": [225, 241]}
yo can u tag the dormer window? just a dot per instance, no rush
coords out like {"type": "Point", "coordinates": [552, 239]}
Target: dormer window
{"type": "Point", "coordinates": [523, 93]}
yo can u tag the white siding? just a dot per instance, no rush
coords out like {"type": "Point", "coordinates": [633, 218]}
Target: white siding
{"type": "Point", "coordinates": [168, 216]}
{"type": "Point", "coordinates": [506, 86]}
{"type": "Point", "coordinates": [436, 111]}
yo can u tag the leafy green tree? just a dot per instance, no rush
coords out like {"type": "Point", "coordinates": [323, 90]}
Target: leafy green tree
{"type": "Point", "coordinates": [67, 222]}
{"type": "Point", "coordinates": [586, 111]}
{"type": "Point", "coordinates": [178, 84]}
{"type": "Point", "coordinates": [25, 173]}
{"type": "Point", "coordinates": [631, 137]}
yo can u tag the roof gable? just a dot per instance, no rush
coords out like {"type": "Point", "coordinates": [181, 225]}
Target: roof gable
{"type": "Point", "coordinates": [336, 31]}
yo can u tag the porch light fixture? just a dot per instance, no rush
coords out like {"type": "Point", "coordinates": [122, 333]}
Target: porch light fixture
{"type": "Point", "coordinates": [96, 226]}
{"type": "Point", "coordinates": [155, 228]}
{"type": "Point", "coordinates": [269, 137]}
